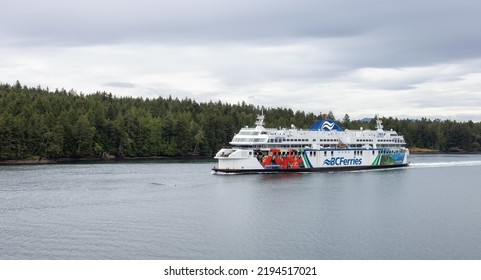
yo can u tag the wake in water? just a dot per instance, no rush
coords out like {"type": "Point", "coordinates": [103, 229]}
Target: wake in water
{"type": "Point", "coordinates": [436, 164]}
{"type": "Point", "coordinates": [445, 164]}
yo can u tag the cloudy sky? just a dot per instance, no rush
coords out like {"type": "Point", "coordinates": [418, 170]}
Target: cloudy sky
{"type": "Point", "coordinates": [407, 58]}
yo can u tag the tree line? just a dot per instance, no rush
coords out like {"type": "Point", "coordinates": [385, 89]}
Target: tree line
{"type": "Point", "coordinates": [37, 122]}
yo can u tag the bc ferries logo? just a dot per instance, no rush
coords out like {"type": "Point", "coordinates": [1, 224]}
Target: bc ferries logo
{"type": "Point", "coordinates": [327, 125]}
{"type": "Point", "coordinates": [340, 161]}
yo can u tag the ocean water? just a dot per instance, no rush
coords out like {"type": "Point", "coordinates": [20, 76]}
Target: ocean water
{"type": "Point", "coordinates": [179, 210]}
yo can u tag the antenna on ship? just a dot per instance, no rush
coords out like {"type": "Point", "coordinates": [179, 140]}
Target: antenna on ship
{"type": "Point", "coordinates": [379, 125]}
{"type": "Point", "coordinates": [260, 119]}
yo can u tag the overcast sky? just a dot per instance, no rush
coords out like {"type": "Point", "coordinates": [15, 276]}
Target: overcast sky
{"type": "Point", "coordinates": [407, 58]}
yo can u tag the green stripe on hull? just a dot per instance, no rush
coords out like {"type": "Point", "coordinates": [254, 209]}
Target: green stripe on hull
{"type": "Point", "coordinates": [307, 163]}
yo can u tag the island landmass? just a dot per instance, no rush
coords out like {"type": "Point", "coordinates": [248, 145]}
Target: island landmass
{"type": "Point", "coordinates": [38, 125]}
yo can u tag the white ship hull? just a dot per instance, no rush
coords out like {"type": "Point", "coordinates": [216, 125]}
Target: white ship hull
{"type": "Point", "coordinates": [308, 160]}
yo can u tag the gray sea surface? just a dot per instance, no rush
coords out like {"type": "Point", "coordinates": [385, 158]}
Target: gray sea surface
{"type": "Point", "coordinates": [179, 210]}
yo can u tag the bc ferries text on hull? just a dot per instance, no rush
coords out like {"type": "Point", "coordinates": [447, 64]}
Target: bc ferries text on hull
{"type": "Point", "coordinates": [325, 146]}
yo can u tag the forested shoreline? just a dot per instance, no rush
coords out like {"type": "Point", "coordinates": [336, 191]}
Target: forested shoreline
{"type": "Point", "coordinates": [43, 124]}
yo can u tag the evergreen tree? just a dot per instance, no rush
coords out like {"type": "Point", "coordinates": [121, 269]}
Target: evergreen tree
{"type": "Point", "coordinates": [64, 124]}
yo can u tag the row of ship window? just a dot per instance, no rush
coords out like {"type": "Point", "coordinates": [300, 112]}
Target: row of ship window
{"type": "Point", "coordinates": [380, 140]}
{"type": "Point", "coordinates": [300, 140]}
{"type": "Point", "coordinates": [392, 140]}
{"type": "Point", "coordinates": [249, 139]}
{"type": "Point", "coordinates": [279, 140]}
{"type": "Point", "coordinates": [252, 132]}
{"type": "Point", "coordinates": [356, 153]}
{"type": "Point", "coordinates": [329, 140]}
{"type": "Point", "coordinates": [314, 153]}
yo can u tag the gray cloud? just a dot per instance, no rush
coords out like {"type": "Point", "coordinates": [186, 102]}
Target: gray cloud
{"type": "Point", "coordinates": [344, 55]}
{"type": "Point", "coordinates": [120, 85]}
{"type": "Point", "coordinates": [372, 33]}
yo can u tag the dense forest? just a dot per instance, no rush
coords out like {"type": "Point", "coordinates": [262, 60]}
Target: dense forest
{"type": "Point", "coordinates": [39, 123]}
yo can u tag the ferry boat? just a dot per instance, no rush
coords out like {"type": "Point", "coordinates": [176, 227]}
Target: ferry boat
{"type": "Point", "coordinates": [325, 146]}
